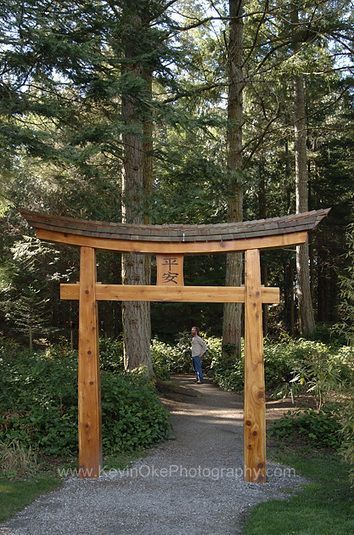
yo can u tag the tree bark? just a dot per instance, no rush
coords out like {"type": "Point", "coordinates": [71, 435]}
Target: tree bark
{"type": "Point", "coordinates": [30, 337]}
{"type": "Point", "coordinates": [307, 322]}
{"type": "Point", "coordinates": [231, 339]}
{"type": "Point", "coordinates": [289, 295]}
{"type": "Point", "coordinates": [262, 214]}
{"type": "Point", "coordinates": [135, 315]}
{"type": "Point", "coordinates": [148, 148]}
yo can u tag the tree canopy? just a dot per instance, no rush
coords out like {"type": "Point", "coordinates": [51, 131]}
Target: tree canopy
{"type": "Point", "coordinates": [121, 111]}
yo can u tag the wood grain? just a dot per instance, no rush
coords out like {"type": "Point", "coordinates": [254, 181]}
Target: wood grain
{"type": "Point", "coordinates": [169, 270]}
{"type": "Point", "coordinates": [89, 391]}
{"type": "Point", "coordinates": [136, 246]}
{"type": "Point", "coordinates": [254, 390]}
{"type": "Point", "coordinates": [187, 294]}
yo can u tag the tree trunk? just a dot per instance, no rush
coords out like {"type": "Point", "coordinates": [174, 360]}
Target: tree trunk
{"type": "Point", "coordinates": [231, 339]}
{"type": "Point", "coordinates": [30, 339]}
{"type": "Point", "coordinates": [262, 214]}
{"type": "Point", "coordinates": [289, 297]}
{"type": "Point", "coordinates": [307, 322]}
{"type": "Point", "coordinates": [135, 315]}
{"type": "Point", "coordinates": [148, 175]}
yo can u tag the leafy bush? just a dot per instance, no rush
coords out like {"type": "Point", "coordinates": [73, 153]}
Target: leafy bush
{"type": "Point", "coordinates": [293, 366]}
{"type": "Point", "coordinates": [296, 366]}
{"type": "Point", "coordinates": [344, 360]}
{"type": "Point", "coordinates": [228, 377]}
{"type": "Point", "coordinates": [321, 370]}
{"type": "Point", "coordinates": [345, 327]}
{"type": "Point", "coordinates": [38, 401]}
{"type": "Point", "coordinates": [319, 429]}
{"type": "Point", "coordinates": [277, 370]}
{"type": "Point", "coordinates": [9, 348]}
{"type": "Point", "coordinates": [132, 415]}
{"type": "Point", "coordinates": [173, 359]}
{"type": "Point", "coordinates": [213, 353]}
{"type": "Point", "coordinates": [111, 354]}
{"type": "Point", "coordinates": [164, 358]}
{"type": "Point", "coordinates": [346, 419]}
{"type": "Point", "coordinates": [38, 404]}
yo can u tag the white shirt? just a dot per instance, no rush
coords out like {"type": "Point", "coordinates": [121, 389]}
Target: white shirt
{"type": "Point", "coordinates": [199, 347]}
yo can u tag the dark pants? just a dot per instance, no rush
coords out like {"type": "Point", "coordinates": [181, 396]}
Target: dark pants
{"type": "Point", "coordinates": [197, 366]}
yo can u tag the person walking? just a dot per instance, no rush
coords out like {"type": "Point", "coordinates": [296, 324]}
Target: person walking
{"type": "Point", "coordinates": [199, 348]}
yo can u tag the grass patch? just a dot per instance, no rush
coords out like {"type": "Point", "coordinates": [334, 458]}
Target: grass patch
{"type": "Point", "coordinates": [122, 460]}
{"type": "Point", "coordinates": [324, 506]}
{"type": "Point", "coordinates": [15, 495]}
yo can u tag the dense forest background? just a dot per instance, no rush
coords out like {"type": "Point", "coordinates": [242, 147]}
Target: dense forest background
{"type": "Point", "coordinates": [83, 83]}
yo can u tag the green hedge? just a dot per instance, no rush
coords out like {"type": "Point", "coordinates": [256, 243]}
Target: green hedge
{"type": "Point", "coordinates": [173, 359]}
{"type": "Point", "coordinates": [292, 367]}
{"type": "Point", "coordinates": [38, 403]}
{"type": "Point", "coordinates": [318, 429]}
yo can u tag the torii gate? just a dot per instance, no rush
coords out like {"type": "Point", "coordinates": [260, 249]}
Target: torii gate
{"type": "Point", "coordinates": [170, 243]}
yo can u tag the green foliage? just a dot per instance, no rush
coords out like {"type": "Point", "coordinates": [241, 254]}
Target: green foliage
{"type": "Point", "coordinates": [294, 367]}
{"type": "Point", "coordinates": [39, 401]}
{"type": "Point", "coordinates": [346, 419]}
{"type": "Point", "coordinates": [29, 314]}
{"type": "Point", "coordinates": [24, 296]}
{"type": "Point", "coordinates": [38, 404]}
{"type": "Point", "coordinates": [228, 377]}
{"type": "Point", "coordinates": [303, 366]}
{"type": "Point", "coordinates": [16, 494]}
{"type": "Point", "coordinates": [169, 359]}
{"type": "Point", "coordinates": [17, 461]}
{"type": "Point", "coordinates": [318, 429]}
{"type": "Point", "coordinates": [346, 306]}
{"type": "Point", "coordinates": [132, 415]}
{"type": "Point", "coordinates": [9, 348]}
{"type": "Point", "coordinates": [326, 373]}
{"type": "Point", "coordinates": [163, 358]}
{"type": "Point", "coordinates": [111, 354]}
{"type": "Point", "coordinates": [323, 506]}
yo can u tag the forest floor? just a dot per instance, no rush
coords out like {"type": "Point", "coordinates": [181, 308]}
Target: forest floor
{"type": "Point", "coordinates": [192, 483]}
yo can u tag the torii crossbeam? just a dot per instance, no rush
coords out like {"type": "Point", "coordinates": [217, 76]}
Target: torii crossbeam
{"type": "Point", "coordinates": [170, 243]}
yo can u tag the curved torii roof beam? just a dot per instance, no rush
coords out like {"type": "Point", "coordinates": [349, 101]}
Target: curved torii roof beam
{"type": "Point", "coordinates": [221, 237]}
{"type": "Point", "coordinates": [168, 241]}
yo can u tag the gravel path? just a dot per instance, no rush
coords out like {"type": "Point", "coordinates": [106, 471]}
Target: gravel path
{"type": "Point", "coordinates": [192, 484]}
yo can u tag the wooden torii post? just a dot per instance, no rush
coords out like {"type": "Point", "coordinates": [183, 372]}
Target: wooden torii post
{"type": "Point", "coordinates": [170, 243]}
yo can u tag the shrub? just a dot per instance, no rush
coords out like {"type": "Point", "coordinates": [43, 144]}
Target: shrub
{"type": "Point", "coordinates": [38, 401]}
{"type": "Point", "coordinates": [213, 353]}
{"type": "Point", "coordinates": [38, 404]}
{"type": "Point", "coordinates": [9, 348]}
{"type": "Point", "coordinates": [170, 359]}
{"type": "Point", "coordinates": [346, 419]}
{"type": "Point", "coordinates": [132, 414]}
{"type": "Point", "coordinates": [111, 354]}
{"type": "Point", "coordinates": [319, 429]}
{"type": "Point", "coordinates": [16, 460]}
{"type": "Point", "coordinates": [345, 327]}
{"type": "Point", "coordinates": [162, 355]}
{"type": "Point", "coordinates": [292, 367]}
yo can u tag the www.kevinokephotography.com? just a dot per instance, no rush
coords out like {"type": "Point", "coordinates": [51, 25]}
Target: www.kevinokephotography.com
{"type": "Point", "coordinates": [173, 470]}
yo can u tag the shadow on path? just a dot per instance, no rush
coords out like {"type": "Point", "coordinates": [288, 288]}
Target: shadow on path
{"type": "Point", "coordinates": [191, 484]}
